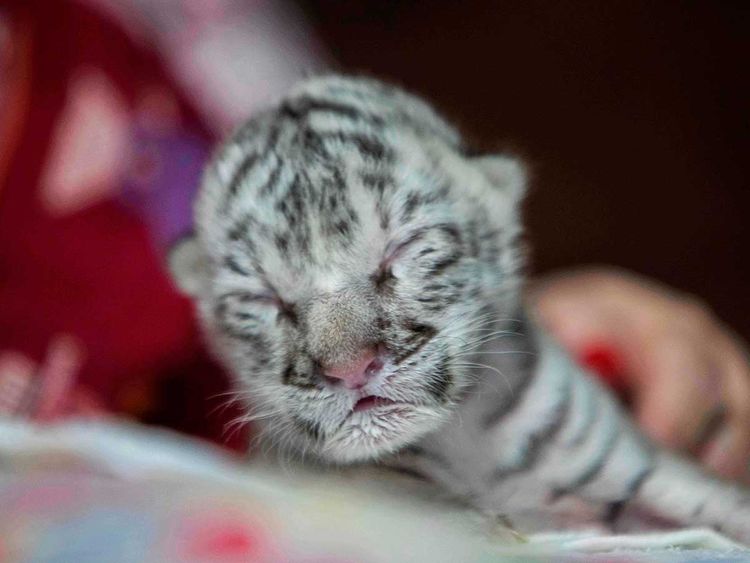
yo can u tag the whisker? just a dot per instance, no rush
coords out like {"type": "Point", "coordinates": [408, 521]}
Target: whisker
{"type": "Point", "coordinates": [491, 368]}
{"type": "Point", "coordinates": [495, 353]}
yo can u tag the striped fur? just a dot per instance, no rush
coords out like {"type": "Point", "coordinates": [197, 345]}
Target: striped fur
{"type": "Point", "coordinates": [555, 450]}
{"type": "Point", "coordinates": [350, 215]}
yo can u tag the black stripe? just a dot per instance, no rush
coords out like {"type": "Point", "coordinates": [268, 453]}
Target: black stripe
{"type": "Point", "coordinates": [385, 220]}
{"type": "Point", "coordinates": [697, 511]}
{"type": "Point", "coordinates": [271, 140]}
{"type": "Point", "coordinates": [282, 244]}
{"type": "Point", "coordinates": [595, 469]}
{"type": "Point", "coordinates": [239, 229]}
{"type": "Point", "coordinates": [314, 145]}
{"type": "Point", "coordinates": [288, 375]}
{"type": "Point", "coordinates": [249, 163]}
{"type": "Point", "coordinates": [447, 228]}
{"type": "Point", "coordinates": [429, 457]}
{"type": "Point", "coordinates": [300, 108]}
{"type": "Point", "coordinates": [591, 415]}
{"type": "Point", "coordinates": [441, 265]}
{"type": "Point", "coordinates": [232, 264]}
{"type": "Point", "coordinates": [514, 399]}
{"type": "Point", "coordinates": [420, 334]}
{"type": "Point", "coordinates": [308, 427]}
{"type": "Point", "coordinates": [539, 439]}
{"type": "Point", "coordinates": [254, 340]}
{"type": "Point", "coordinates": [273, 177]}
{"type": "Point", "coordinates": [238, 178]}
{"type": "Point", "coordinates": [452, 231]}
{"type": "Point", "coordinates": [409, 472]}
{"type": "Point", "coordinates": [376, 182]}
{"type": "Point", "coordinates": [640, 478]}
{"type": "Point", "coordinates": [612, 512]}
{"type": "Point", "coordinates": [293, 378]}
{"type": "Point", "coordinates": [367, 145]}
{"type": "Point", "coordinates": [413, 200]}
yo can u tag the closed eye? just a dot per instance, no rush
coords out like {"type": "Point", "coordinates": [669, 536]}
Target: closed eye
{"type": "Point", "coordinates": [265, 298]}
{"type": "Point", "coordinates": [394, 250]}
{"type": "Point", "coordinates": [247, 298]}
{"type": "Point", "coordinates": [242, 310]}
{"type": "Point", "coordinates": [441, 249]}
{"type": "Point", "coordinates": [446, 232]}
{"type": "Point", "coordinates": [384, 273]}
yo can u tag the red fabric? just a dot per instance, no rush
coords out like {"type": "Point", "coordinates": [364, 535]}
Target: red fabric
{"type": "Point", "coordinates": [93, 274]}
{"type": "Point", "coordinates": [606, 362]}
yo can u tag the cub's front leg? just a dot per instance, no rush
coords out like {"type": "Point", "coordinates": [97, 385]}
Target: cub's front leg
{"type": "Point", "coordinates": [546, 444]}
{"type": "Point", "coordinates": [680, 491]}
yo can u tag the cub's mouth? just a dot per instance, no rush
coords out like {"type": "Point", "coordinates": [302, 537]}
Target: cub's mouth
{"type": "Point", "coordinates": [377, 426]}
{"type": "Point", "coordinates": [370, 402]}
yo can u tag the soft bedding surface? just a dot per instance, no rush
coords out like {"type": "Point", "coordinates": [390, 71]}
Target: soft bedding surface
{"type": "Point", "coordinates": [109, 491]}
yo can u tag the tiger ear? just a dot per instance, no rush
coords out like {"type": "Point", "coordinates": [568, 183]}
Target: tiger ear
{"type": "Point", "coordinates": [188, 265]}
{"type": "Point", "coordinates": [505, 173]}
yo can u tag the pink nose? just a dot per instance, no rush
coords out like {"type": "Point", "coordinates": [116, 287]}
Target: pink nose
{"type": "Point", "coordinates": [357, 372]}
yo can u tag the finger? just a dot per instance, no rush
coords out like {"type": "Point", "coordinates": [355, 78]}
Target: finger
{"type": "Point", "coordinates": [678, 395]}
{"type": "Point", "coordinates": [573, 323]}
{"type": "Point", "coordinates": [667, 375]}
{"type": "Point", "coordinates": [715, 422]}
{"type": "Point", "coordinates": [729, 452]}
{"type": "Point", "coordinates": [597, 307]}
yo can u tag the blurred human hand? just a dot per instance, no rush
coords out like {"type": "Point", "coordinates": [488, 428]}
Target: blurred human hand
{"type": "Point", "coordinates": [688, 374]}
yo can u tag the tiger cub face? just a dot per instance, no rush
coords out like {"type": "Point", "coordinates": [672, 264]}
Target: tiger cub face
{"type": "Point", "coordinates": [348, 257]}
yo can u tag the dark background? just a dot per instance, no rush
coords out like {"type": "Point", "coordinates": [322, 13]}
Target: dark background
{"type": "Point", "coordinates": [633, 116]}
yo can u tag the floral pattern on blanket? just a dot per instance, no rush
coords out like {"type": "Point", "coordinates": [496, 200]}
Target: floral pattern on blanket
{"type": "Point", "coordinates": [98, 490]}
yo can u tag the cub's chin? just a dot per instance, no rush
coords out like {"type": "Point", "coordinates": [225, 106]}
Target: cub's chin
{"type": "Point", "coordinates": [381, 430]}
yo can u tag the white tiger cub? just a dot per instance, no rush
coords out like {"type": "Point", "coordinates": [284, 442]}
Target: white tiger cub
{"type": "Point", "coordinates": [359, 274]}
